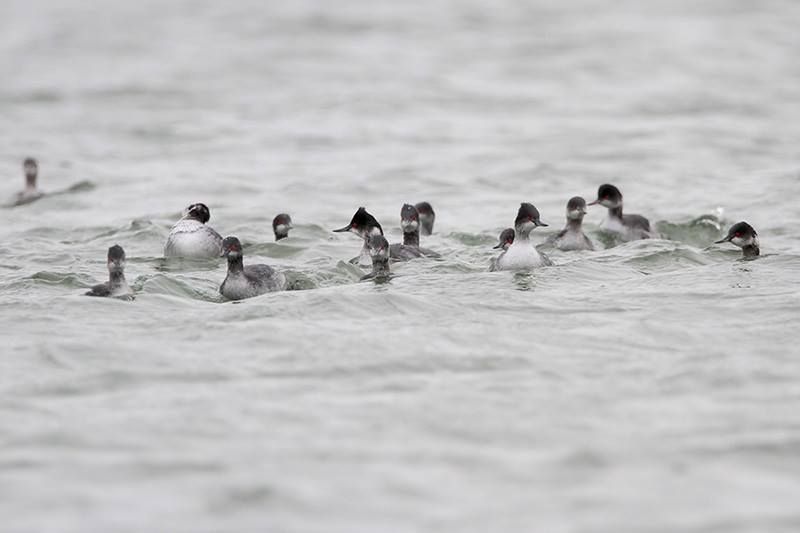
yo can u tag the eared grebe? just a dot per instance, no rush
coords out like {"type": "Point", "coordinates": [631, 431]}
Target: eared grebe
{"type": "Point", "coordinates": [572, 236]}
{"type": "Point", "coordinates": [521, 254]}
{"type": "Point", "coordinates": [745, 237]}
{"type": "Point", "coordinates": [190, 237]}
{"type": "Point", "coordinates": [410, 249]}
{"type": "Point", "coordinates": [31, 192]}
{"type": "Point", "coordinates": [506, 240]}
{"type": "Point", "coordinates": [364, 225]}
{"type": "Point", "coordinates": [116, 284]}
{"type": "Point", "coordinates": [247, 281]}
{"type": "Point", "coordinates": [379, 252]}
{"type": "Point", "coordinates": [281, 225]}
{"type": "Point", "coordinates": [427, 217]}
{"type": "Point", "coordinates": [628, 227]}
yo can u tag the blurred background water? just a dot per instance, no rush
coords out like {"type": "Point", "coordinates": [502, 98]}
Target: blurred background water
{"type": "Point", "coordinates": [653, 386]}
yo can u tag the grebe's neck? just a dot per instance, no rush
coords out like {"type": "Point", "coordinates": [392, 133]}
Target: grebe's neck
{"type": "Point", "coordinates": [116, 277]}
{"type": "Point", "coordinates": [411, 238]}
{"type": "Point", "coordinates": [751, 250]}
{"type": "Point", "coordinates": [235, 264]}
{"type": "Point", "coordinates": [574, 224]}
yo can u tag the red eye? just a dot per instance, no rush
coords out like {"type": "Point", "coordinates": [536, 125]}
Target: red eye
{"type": "Point", "coordinates": [737, 234]}
{"type": "Point", "coordinates": [605, 197]}
{"type": "Point", "coordinates": [354, 225]}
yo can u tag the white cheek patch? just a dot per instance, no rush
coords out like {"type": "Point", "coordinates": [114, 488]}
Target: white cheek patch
{"type": "Point", "coordinates": [526, 226]}
{"type": "Point", "coordinates": [609, 204]}
{"type": "Point", "coordinates": [281, 228]}
{"type": "Point", "coordinates": [575, 214]}
{"type": "Point", "coordinates": [740, 242]}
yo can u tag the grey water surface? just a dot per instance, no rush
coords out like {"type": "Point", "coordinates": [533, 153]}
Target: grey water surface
{"type": "Point", "coordinates": [647, 387]}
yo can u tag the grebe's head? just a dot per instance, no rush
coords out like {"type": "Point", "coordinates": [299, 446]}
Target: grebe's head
{"type": "Point", "coordinates": [231, 248]}
{"type": "Point", "coordinates": [198, 212]}
{"type": "Point", "coordinates": [31, 169]}
{"type": "Point", "coordinates": [378, 247]}
{"type": "Point", "coordinates": [362, 224]}
{"type": "Point", "coordinates": [116, 259]}
{"type": "Point", "coordinates": [409, 219]}
{"type": "Point", "coordinates": [506, 239]}
{"type": "Point", "coordinates": [281, 225]}
{"type": "Point", "coordinates": [527, 219]}
{"type": "Point", "coordinates": [576, 208]}
{"type": "Point", "coordinates": [427, 217]}
{"type": "Point", "coordinates": [741, 234]}
{"type": "Point", "coordinates": [608, 196]}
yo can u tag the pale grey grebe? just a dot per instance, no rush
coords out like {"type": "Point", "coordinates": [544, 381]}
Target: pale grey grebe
{"type": "Point", "coordinates": [572, 236]}
{"type": "Point", "coordinates": [521, 255]}
{"type": "Point", "coordinates": [190, 237]}
{"type": "Point", "coordinates": [116, 284]}
{"type": "Point", "coordinates": [247, 281]}
{"type": "Point", "coordinates": [628, 227]}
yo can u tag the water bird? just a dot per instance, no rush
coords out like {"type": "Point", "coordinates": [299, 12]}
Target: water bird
{"type": "Point", "coordinates": [364, 225]}
{"type": "Point", "coordinates": [281, 225]}
{"type": "Point", "coordinates": [116, 285]}
{"type": "Point", "coordinates": [427, 216]}
{"type": "Point", "coordinates": [506, 239]}
{"type": "Point", "coordinates": [190, 237]}
{"type": "Point", "coordinates": [745, 237]}
{"type": "Point", "coordinates": [521, 255]}
{"type": "Point", "coordinates": [31, 193]}
{"type": "Point", "coordinates": [247, 281]}
{"type": "Point", "coordinates": [572, 236]}
{"type": "Point", "coordinates": [379, 253]}
{"type": "Point", "coordinates": [410, 249]}
{"type": "Point", "coordinates": [627, 227]}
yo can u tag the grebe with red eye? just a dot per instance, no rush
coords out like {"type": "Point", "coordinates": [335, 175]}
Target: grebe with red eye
{"type": "Point", "coordinates": [190, 237]}
{"type": "Point", "coordinates": [247, 281]}
{"type": "Point", "coordinates": [572, 236]}
{"type": "Point", "coordinates": [364, 225]}
{"type": "Point", "coordinates": [281, 225]}
{"type": "Point", "coordinates": [379, 252]}
{"type": "Point", "coordinates": [745, 237]}
{"type": "Point", "coordinates": [521, 255]}
{"type": "Point", "coordinates": [628, 227]}
{"type": "Point", "coordinates": [506, 240]}
{"type": "Point", "coordinates": [116, 286]}
{"type": "Point", "coordinates": [410, 249]}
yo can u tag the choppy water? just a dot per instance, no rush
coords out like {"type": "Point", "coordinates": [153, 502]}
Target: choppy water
{"type": "Point", "coordinates": [653, 386]}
